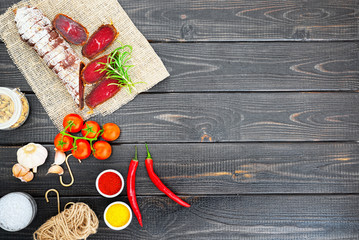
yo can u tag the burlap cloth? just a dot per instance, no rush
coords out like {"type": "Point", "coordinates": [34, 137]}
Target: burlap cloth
{"type": "Point", "coordinates": [53, 96]}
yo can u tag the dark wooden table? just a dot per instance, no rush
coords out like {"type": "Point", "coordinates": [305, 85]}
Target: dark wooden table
{"type": "Point", "coordinates": [256, 127]}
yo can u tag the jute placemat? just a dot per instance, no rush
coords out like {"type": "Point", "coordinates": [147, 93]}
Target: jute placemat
{"type": "Point", "coordinates": [53, 96]}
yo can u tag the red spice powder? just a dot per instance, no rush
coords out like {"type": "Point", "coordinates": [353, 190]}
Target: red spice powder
{"type": "Point", "coordinates": [109, 183]}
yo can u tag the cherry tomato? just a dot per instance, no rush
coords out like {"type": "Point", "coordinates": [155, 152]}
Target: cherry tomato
{"type": "Point", "coordinates": [110, 132]}
{"type": "Point", "coordinates": [63, 143]}
{"type": "Point", "coordinates": [90, 128]}
{"type": "Point", "coordinates": [75, 122]}
{"type": "Point", "coordinates": [83, 149]}
{"type": "Point", "coordinates": [103, 150]}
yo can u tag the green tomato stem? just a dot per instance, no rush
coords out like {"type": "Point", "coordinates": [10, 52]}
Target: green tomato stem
{"type": "Point", "coordinates": [64, 133]}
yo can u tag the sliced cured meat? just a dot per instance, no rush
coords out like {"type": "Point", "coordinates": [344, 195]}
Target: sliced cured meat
{"type": "Point", "coordinates": [35, 22]}
{"type": "Point", "coordinates": [37, 31]}
{"type": "Point", "coordinates": [81, 88]}
{"type": "Point", "coordinates": [40, 25]}
{"type": "Point", "coordinates": [62, 72]}
{"type": "Point", "coordinates": [21, 13]}
{"type": "Point", "coordinates": [71, 30]}
{"type": "Point", "coordinates": [91, 73]}
{"type": "Point", "coordinates": [99, 41]}
{"type": "Point", "coordinates": [74, 85]}
{"type": "Point", "coordinates": [105, 90]}
{"type": "Point", "coordinates": [60, 49]}
{"type": "Point", "coordinates": [66, 65]}
{"type": "Point", "coordinates": [27, 17]}
{"type": "Point", "coordinates": [66, 58]}
{"type": "Point", "coordinates": [62, 53]}
{"type": "Point", "coordinates": [45, 45]}
{"type": "Point", "coordinates": [65, 72]}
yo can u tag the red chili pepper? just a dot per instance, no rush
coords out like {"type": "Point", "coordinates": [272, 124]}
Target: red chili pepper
{"type": "Point", "coordinates": [155, 179]}
{"type": "Point", "coordinates": [131, 190]}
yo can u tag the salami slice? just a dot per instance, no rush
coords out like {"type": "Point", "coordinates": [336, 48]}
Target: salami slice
{"type": "Point", "coordinates": [71, 30]}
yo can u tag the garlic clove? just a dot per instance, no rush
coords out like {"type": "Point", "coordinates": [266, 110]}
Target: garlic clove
{"type": "Point", "coordinates": [16, 169]}
{"type": "Point", "coordinates": [59, 157]}
{"type": "Point", "coordinates": [27, 177]}
{"type": "Point", "coordinates": [19, 171]}
{"type": "Point", "coordinates": [56, 169]}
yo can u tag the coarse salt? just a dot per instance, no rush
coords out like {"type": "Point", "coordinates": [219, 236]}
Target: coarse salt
{"type": "Point", "coordinates": [17, 210]}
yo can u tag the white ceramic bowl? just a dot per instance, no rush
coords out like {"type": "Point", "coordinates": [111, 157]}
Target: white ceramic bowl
{"type": "Point", "coordinates": [116, 194]}
{"type": "Point", "coordinates": [124, 226]}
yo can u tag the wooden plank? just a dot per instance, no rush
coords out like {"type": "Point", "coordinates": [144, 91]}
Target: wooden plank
{"type": "Point", "coordinates": [190, 169]}
{"type": "Point", "coordinates": [245, 20]}
{"type": "Point", "coordinates": [224, 217]}
{"type": "Point", "coordinates": [224, 117]}
{"type": "Point", "coordinates": [278, 66]}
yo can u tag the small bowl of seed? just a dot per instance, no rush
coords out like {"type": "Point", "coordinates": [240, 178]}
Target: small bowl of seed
{"type": "Point", "coordinates": [14, 108]}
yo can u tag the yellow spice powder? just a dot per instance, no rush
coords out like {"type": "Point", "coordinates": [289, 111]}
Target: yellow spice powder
{"type": "Point", "coordinates": [117, 215]}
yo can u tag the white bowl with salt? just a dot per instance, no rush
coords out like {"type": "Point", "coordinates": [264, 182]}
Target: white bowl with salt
{"type": "Point", "coordinates": [17, 210]}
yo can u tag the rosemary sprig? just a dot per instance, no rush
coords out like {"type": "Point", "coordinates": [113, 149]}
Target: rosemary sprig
{"type": "Point", "coordinates": [117, 67]}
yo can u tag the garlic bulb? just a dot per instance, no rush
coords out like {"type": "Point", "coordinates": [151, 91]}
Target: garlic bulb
{"type": "Point", "coordinates": [22, 173]}
{"type": "Point", "coordinates": [31, 156]}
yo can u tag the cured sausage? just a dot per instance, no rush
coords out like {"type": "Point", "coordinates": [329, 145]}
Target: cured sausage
{"type": "Point", "coordinates": [37, 30]}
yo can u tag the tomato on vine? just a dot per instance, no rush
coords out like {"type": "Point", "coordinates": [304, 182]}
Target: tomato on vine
{"type": "Point", "coordinates": [82, 149]}
{"type": "Point", "coordinates": [73, 123]}
{"type": "Point", "coordinates": [110, 132]}
{"type": "Point", "coordinates": [63, 143]}
{"type": "Point", "coordinates": [90, 129]}
{"type": "Point", "coordinates": [82, 146]}
{"type": "Point", "coordinates": [102, 149]}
